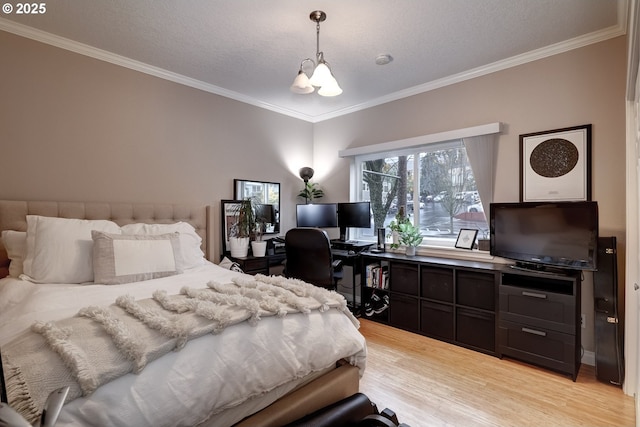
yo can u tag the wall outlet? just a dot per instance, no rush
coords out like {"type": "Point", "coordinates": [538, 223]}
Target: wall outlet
{"type": "Point", "coordinates": [583, 321]}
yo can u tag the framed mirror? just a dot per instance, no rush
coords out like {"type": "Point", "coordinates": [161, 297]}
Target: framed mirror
{"type": "Point", "coordinates": [268, 195]}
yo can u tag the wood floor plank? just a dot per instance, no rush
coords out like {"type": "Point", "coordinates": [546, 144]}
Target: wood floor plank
{"type": "Point", "coordinates": [431, 383]}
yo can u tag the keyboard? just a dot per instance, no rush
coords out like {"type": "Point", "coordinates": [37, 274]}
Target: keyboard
{"type": "Point", "coordinates": [340, 252]}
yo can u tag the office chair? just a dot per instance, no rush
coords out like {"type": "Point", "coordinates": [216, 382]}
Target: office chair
{"type": "Point", "coordinates": [309, 257]}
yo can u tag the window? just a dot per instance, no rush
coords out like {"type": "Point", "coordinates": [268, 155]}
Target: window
{"type": "Point", "coordinates": [434, 183]}
{"type": "Point", "coordinates": [444, 180]}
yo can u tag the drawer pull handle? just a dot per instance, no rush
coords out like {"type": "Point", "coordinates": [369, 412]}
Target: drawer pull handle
{"type": "Point", "coordinates": [534, 295]}
{"type": "Point", "coordinates": [534, 332]}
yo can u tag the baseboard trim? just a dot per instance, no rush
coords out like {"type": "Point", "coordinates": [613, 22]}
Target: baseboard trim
{"type": "Point", "coordinates": [589, 358]}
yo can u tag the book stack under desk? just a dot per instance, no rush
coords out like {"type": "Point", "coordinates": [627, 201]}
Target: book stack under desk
{"type": "Point", "coordinates": [377, 276]}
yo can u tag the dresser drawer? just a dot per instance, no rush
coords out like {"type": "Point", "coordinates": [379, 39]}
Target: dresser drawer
{"type": "Point", "coordinates": [474, 289]}
{"type": "Point", "coordinates": [476, 328]}
{"type": "Point", "coordinates": [436, 320]}
{"type": "Point", "coordinates": [403, 278]}
{"type": "Point", "coordinates": [543, 309]}
{"type": "Point", "coordinates": [539, 346]}
{"type": "Point", "coordinates": [404, 312]}
{"type": "Point", "coordinates": [437, 283]}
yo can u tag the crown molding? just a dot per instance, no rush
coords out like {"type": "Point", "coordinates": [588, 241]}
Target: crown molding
{"type": "Point", "coordinates": [514, 61]}
{"type": "Point", "coordinates": [122, 61]}
{"type": "Point", "coordinates": [103, 55]}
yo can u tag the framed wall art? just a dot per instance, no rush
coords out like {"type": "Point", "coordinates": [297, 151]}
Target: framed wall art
{"type": "Point", "coordinates": [228, 216]}
{"type": "Point", "coordinates": [466, 238]}
{"type": "Point", "coordinates": [555, 165]}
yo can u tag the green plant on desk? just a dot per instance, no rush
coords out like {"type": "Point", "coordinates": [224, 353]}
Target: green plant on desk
{"type": "Point", "coordinates": [394, 226]}
{"type": "Point", "coordinates": [410, 235]}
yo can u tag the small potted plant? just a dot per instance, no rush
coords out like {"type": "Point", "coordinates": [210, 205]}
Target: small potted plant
{"type": "Point", "coordinates": [310, 191]}
{"type": "Point", "coordinates": [410, 237]}
{"type": "Point", "coordinates": [243, 228]}
{"type": "Point", "coordinates": [258, 246]}
{"type": "Point", "coordinates": [394, 226]}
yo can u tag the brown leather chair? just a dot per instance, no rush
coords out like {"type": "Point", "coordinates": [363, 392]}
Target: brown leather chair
{"type": "Point", "coordinates": [309, 257]}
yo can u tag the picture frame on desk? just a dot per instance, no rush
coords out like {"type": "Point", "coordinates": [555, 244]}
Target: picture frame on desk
{"type": "Point", "coordinates": [228, 217]}
{"type": "Point", "coordinates": [466, 238]}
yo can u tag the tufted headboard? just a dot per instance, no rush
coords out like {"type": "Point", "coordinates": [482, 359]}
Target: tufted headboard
{"type": "Point", "coordinates": [13, 217]}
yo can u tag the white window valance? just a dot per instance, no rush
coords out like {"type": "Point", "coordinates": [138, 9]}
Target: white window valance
{"type": "Point", "coordinates": [479, 142]}
{"type": "Point", "coordinates": [418, 141]}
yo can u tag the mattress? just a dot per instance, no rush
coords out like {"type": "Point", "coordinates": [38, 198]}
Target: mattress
{"type": "Point", "coordinates": [216, 379]}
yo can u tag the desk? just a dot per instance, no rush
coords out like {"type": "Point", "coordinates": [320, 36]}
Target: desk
{"type": "Point", "coordinates": [352, 259]}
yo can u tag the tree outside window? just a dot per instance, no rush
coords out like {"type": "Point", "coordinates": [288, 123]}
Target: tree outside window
{"type": "Point", "coordinates": [445, 187]}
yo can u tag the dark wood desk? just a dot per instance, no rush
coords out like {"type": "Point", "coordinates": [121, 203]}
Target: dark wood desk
{"type": "Point", "coordinates": [254, 265]}
{"type": "Point", "coordinates": [262, 265]}
{"type": "Point", "coordinates": [354, 260]}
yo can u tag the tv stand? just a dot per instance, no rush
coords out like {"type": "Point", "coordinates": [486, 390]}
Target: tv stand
{"type": "Point", "coordinates": [540, 318]}
{"type": "Point", "coordinates": [539, 268]}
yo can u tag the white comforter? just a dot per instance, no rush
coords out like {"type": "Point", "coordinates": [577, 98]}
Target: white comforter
{"type": "Point", "coordinates": [209, 375]}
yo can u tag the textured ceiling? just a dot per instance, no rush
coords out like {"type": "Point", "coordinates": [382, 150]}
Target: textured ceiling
{"type": "Point", "coordinates": [237, 49]}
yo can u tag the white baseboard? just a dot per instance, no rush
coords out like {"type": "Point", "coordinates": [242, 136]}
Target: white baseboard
{"type": "Point", "coordinates": [637, 401]}
{"type": "Point", "coordinates": [589, 358]}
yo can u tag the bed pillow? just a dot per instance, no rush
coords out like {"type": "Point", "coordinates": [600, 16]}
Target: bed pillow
{"type": "Point", "coordinates": [59, 249]}
{"type": "Point", "coordinates": [15, 242]}
{"type": "Point", "coordinates": [125, 258]}
{"type": "Point", "coordinates": [190, 241]}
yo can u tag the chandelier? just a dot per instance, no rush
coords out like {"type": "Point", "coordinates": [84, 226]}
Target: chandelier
{"type": "Point", "coordinates": [322, 77]}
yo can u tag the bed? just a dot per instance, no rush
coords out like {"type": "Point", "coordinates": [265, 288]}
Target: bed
{"type": "Point", "coordinates": [224, 348]}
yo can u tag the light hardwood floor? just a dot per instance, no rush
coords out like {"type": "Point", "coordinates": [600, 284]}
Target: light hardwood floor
{"type": "Point", "coordinates": [429, 383]}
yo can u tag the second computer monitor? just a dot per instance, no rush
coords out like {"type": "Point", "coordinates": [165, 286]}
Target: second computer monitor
{"type": "Point", "coordinates": [353, 215]}
{"type": "Point", "coordinates": [319, 215]}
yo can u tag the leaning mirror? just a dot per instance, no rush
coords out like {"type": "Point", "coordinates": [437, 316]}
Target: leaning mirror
{"type": "Point", "coordinates": [268, 195]}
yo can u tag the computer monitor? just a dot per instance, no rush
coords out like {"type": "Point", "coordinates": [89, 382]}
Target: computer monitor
{"type": "Point", "coordinates": [265, 213]}
{"type": "Point", "coordinates": [320, 215]}
{"type": "Point", "coordinates": [354, 215]}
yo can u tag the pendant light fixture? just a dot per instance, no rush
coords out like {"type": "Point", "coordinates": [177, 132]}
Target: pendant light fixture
{"type": "Point", "coordinates": [322, 76]}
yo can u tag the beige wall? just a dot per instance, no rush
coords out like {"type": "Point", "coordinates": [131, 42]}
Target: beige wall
{"type": "Point", "coordinates": [582, 86]}
{"type": "Point", "coordinates": [75, 128]}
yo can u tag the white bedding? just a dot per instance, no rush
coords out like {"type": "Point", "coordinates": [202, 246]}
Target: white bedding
{"type": "Point", "coordinates": [210, 374]}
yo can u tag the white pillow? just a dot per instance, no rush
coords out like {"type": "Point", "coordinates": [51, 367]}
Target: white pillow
{"type": "Point", "coordinates": [125, 258]}
{"type": "Point", "coordinates": [15, 242]}
{"type": "Point", "coordinates": [190, 241]}
{"type": "Point", "coordinates": [59, 250]}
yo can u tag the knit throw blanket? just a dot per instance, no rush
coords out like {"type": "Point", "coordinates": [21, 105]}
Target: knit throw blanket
{"type": "Point", "coordinates": [100, 344]}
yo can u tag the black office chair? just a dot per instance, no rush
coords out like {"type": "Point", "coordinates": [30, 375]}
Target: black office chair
{"type": "Point", "coordinates": [309, 257]}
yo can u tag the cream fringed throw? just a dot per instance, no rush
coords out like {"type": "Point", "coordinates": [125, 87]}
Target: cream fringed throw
{"type": "Point", "coordinates": [101, 344]}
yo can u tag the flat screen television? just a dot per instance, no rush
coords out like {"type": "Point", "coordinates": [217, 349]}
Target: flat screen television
{"type": "Point", "coordinates": [354, 215]}
{"type": "Point", "coordinates": [320, 215]}
{"type": "Point", "coordinates": [545, 234]}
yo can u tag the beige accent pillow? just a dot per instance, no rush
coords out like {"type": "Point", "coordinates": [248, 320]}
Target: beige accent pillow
{"type": "Point", "coordinates": [125, 258]}
{"type": "Point", "coordinates": [190, 241]}
{"type": "Point", "coordinates": [59, 249]}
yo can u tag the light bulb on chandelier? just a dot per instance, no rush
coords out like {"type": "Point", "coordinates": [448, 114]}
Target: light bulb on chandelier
{"type": "Point", "coordinates": [322, 76]}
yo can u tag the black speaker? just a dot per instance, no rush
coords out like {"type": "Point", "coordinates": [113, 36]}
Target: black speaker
{"type": "Point", "coordinates": [608, 333]}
